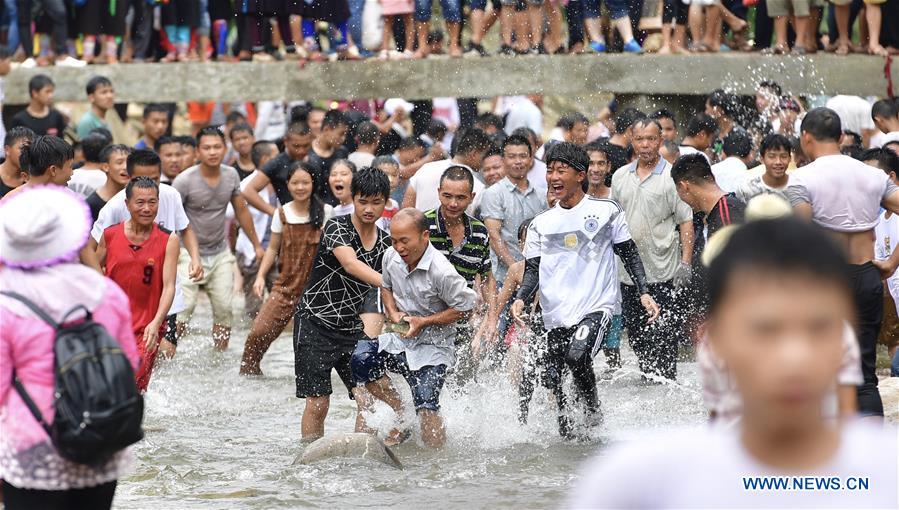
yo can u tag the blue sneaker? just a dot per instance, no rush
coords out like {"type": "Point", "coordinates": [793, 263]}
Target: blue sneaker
{"type": "Point", "coordinates": [598, 46]}
{"type": "Point", "coordinates": [632, 46]}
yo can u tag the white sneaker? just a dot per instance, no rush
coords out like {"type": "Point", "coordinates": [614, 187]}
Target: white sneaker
{"type": "Point", "coordinates": [70, 61]}
{"type": "Point", "coordinates": [28, 63]}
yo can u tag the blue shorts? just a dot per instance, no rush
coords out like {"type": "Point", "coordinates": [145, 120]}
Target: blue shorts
{"type": "Point", "coordinates": [452, 10]}
{"type": "Point", "coordinates": [482, 5]}
{"type": "Point", "coordinates": [369, 365]}
{"type": "Point", "coordinates": [613, 337]}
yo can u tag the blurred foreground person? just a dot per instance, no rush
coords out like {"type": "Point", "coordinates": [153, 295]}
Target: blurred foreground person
{"type": "Point", "coordinates": [43, 229]}
{"type": "Point", "coordinates": [780, 295]}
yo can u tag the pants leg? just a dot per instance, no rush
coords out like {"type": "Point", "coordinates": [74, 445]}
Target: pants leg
{"type": "Point", "coordinates": [220, 287]}
{"type": "Point", "coordinates": [189, 288]}
{"type": "Point", "coordinates": [654, 344]}
{"type": "Point", "coordinates": [355, 21]}
{"type": "Point", "coordinates": [868, 291]}
{"type": "Point", "coordinates": [553, 361]}
{"type": "Point", "coordinates": [271, 321]}
{"type": "Point", "coordinates": [56, 11]}
{"type": "Point", "coordinates": [23, 20]}
{"type": "Point", "coordinates": [142, 29]}
{"type": "Point", "coordinates": [574, 15]}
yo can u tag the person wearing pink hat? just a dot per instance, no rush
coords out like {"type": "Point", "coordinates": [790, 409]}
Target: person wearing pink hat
{"type": "Point", "coordinates": [42, 230]}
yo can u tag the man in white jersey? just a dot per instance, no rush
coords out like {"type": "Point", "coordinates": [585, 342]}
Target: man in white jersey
{"type": "Point", "coordinates": [844, 196]}
{"type": "Point", "coordinates": [570, 255]}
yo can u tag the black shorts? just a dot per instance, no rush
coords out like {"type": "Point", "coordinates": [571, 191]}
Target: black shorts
{"type": "Point", "coordinates": [372, 303]}
{"type": "Point", "coordinates": [317, 350]}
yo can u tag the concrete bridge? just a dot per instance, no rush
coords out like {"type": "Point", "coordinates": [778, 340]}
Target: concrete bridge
{"type": "Point", "coordinates": [641, 75]}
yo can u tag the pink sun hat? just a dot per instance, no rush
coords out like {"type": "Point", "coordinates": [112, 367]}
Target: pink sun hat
{"type": "Point", "coordinates": [43, 226]}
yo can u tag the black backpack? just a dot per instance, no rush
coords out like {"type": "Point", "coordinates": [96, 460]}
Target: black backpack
{"type": "Point", "coordinates": [98, 408]}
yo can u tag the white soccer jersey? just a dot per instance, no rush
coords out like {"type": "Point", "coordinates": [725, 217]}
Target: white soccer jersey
{"type": "Point", "coordinates": [578, 273]}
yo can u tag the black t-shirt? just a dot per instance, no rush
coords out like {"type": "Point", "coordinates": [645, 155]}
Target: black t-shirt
{"type": "Point", "coordinates": [243, 173]}
{"type": "Point", "coordinates": [619, 156]}
{"type": "Point", "coordinates": [728, 210]}
{"type": "Point", "coordinates": [323, 171]}
{"type": "Point", "coordinates": [333, 298]}
{"type": "Point", "coordinates": [95, 202]}
{"type": "Point", "coordinates": [53, 124]}
{"type": "Point", "coordinates": [276, 171]}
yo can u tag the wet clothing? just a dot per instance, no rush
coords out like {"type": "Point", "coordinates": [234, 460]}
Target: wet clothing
{"type": "Point", "coordinates": [53, 124]}
{"type": "Point", "coordinates": [333, 298]}
{"type": "Point", "coordinates": [727, 211]}
{"type": "Point", "coordinates": [276, 170]}
{"type": "Point", "coordinates": [317, 350]}
{"type": "Point", "coordinates": [426, 383]}
{"type": "Point", "coordinates": [96, 203]}
{"type": "Point", "coordinates": [472, 257]}
{"type": "Point", "coordinates": [138, 270]}
{"type": "Point", "coordinates": [322, 166]}
{"type": "Point", "coordinates": [299, 242]}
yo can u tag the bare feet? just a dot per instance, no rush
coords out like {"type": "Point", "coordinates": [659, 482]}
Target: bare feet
{"type": "Point", "coordinates": [664, 50]}
{"type": "Point", "coordinates": [877, 49]}
{"type": "Point", "coordinates": [455, 51]}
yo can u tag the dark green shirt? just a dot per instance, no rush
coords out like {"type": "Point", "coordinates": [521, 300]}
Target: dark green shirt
{"type": "Point", "coordinates": [472, 257]}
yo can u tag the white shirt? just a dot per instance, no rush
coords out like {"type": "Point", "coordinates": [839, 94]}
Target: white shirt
{"type": "Point", "coordinates": [729, 174]}
{"type": "Point", "coordinates": [687, 149]}
{"type": "Point", "coordinates": [854, 112]}
{"type": "Point", "coordinates": [85, 181]}
{"type": "Point", "coordinates": [446, 110]}
{"type": "Point", "coordinates": [523, 113]}
{"type": "Point", "coordinates": [261, 221]}
{"type": "Point", "coordinates": [427, 179]}
{"type": "Point", "coordinates": [295, 219]}
{"type": "Point", "coordinates": [575, 246]}
{"type": "Point", "coordinates": [887, 235]}
{"type": "Point", "coordinates": [880, 139]}
{"type": "Point", "coordinates": [706, 469]}
{"type": "Point", "coordinates": [824, 182]}
{"type": "Point", "coordinates": [170, 216]}
{"type": "Point", "coordinates": [271, 121]}
{"type": "Point", "coordinates": [361, 159]}
{"type": "Point", "coordinates": [537, 176]}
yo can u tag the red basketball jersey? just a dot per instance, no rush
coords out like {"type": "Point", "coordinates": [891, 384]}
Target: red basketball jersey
{"type": "Point", "coordinates": [137, 269]}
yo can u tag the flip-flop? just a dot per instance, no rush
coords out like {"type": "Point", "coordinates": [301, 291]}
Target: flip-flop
{"type": "Point", "coordinates": [393, 440]}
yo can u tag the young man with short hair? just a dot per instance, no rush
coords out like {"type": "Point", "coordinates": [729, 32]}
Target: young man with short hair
{"type": "Point", "coordinates": [776, 152]}
{"type": "Point", "coordinates": [469, 152]}
{"type": "Point", "coordinates": [188, 151]}
{"type": "Point", "coordinates": [886, 117]}
{"type": "Point", "coordinates": [242, 140]}
{"type": "Point", "coordinates": [102, 98]}
{"type": "Point", "coordinates": [169, 150]}
{"type": "Point", "coordinates": [115, 164]}
{"type": "Point", "coordinates": [12, 175]}
{"type": "Point", "coordinates": [49, 162]}
{"type": "Point", "coordinates": [156, 124]}
{"type": "Point", "coordinates": [39, 115]}
{"type": "Point", "coordinates": [731, 171]}
{"type": "Point", "coordinates": [508, 204]}
{"type": "Point", "coordinates": [328, 148]}
{"type": "Point", "coordinates": [697, 187]}
{"type": "Point", "coordinates": [420, 288]}
{"type": "Point", "coordinates": [492, 168]}
{"type": "Point", "coordinates": [367, 138]}
{"type": "Point", "coordinates": [668, 122]}
{"type": "Point", "coordinates": [844, 196]}
{"type": "Point", "coordinates": [327, 325]}
{"type": "Point", "coordinates": [206, 191]}
{"type": "Point", "coordinates": [599, 174]}
{"type": "Point", "coordinates": [572, 243]}
{"type": "Point", "coordinates": [780, 298]}
{"type": "Point", "coordinates": [701, 132]}
{"type": "Point", "coordinates": [464, 241]}
{"type": "Point", "coordinates": [90, 176]}
{"type": "Point", "coordinates": [297, 143]}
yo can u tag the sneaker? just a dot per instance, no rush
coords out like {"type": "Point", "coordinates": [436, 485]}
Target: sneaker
{"type": "Point", "coordinates": [70, 61]}
{"type": "Point", "coordinates": [600, 46]}
{"type": "Point", "coordinates": [28, 63]}
{"type": "Point", "coordinates": [632, 46]}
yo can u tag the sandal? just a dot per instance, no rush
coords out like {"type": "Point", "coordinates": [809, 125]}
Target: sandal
{"type": "Point", "coordinates": [397, 437]}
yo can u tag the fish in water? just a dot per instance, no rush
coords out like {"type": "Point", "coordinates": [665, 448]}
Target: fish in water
{"type": "Point", "coordinates": [349, 445]}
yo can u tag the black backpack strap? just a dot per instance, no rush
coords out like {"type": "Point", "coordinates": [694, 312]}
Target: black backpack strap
{"type": "Point", "coordinates": [20, 389]}
{"type": "Point", "coordinates": [33, 307]}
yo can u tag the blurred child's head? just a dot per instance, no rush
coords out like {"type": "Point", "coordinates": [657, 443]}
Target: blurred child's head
{"type": "Point", "coordinates": [340, 180]}
{"type": "Point", "coordinates": [389, 166]}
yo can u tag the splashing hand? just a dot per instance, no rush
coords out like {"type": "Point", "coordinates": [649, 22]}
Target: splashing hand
{"type": "Point", "coordinates": [651, 307]}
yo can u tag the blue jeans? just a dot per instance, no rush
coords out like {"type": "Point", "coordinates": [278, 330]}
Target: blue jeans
{"type": "Point", "coordinates": [11, 20]}
{"type": "Point", "coordinates": [617, 8]}
{"type": "Point", "coordinates": [355, 21]}
{"type": "Point", "coordinates": [369, 365]}
{"type": "Point", "coordinates": [452, 10]}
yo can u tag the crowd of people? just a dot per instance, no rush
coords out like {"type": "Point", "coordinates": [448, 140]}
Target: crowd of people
{"type": "Point", "coordinates": [432, 253]}
{"type": "Point", "coordinates": [81, 32]}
